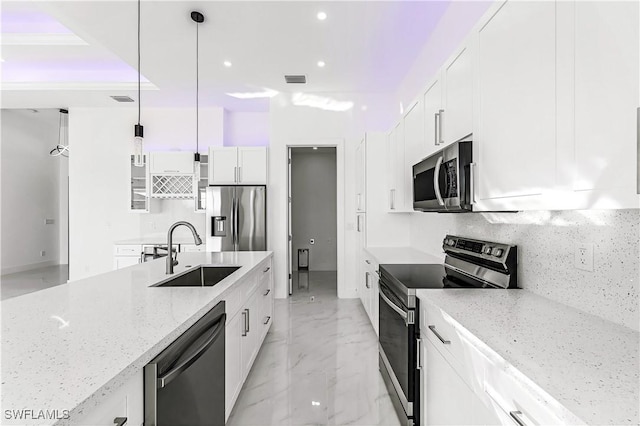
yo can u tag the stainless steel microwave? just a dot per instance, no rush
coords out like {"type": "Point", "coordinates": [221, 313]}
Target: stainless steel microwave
{"type": "Point", "coordinates": [442, 181]}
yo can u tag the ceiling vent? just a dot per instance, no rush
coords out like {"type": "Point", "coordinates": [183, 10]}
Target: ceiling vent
{"type": "Point", "coordinates": [121, 98]}
{"type": "Point", "coordinates": [295, 79]}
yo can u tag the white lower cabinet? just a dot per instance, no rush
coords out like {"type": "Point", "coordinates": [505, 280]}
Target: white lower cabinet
{"type": "Point", "coordinates": [249, 316]}
{"type": "Point", "coordinates": [125, 404]}
{"type": "Point", "coordinates": [126, 255]}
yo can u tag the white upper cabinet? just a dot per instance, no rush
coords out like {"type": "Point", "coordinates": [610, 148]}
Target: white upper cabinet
{"type": "Point", "coordinates": [398, 173]}
{"type": "Point", "coordinates": [515, 132]}
{"type": "Point", "coordinates": [361, 176]}
{"type": "Point", "coordinates": [237, 165]}
{"type": "Point", "coordinates": [252, 165]}
{"type": "Point", "coordinates": [414, 138]}
{"type": "Point", "coordinates": [457, 97]}
{"type": "Point", "coordinates": [432, 100]}
{"type": "Point", "coordinates": [170, 163]}
{"type": "Point", "coordinates": [607, 45]}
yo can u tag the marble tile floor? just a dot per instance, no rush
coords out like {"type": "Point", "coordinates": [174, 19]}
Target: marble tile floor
{"type": "Point", "coordinates": [317, 366]}
{"type": "Point", "coordinates": [13, 285]}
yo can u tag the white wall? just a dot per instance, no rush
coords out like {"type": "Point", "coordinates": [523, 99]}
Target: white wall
{"type": "Point", "coordinates": [292, 125]}
{"type": "Point", "coordinates": [246, 128]}
{"type": "Point", "coordinates": [99, 178]}
{"type": "Point", "coordinates": [30, 189]}
{"type": "Point", "coordinates": [313, 206]}
{"type": "Point", "coordinates": [546, 244]}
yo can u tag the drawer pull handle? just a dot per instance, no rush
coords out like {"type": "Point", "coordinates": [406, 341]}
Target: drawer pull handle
{"type": "Point", "coordinates": [268, 291]}
{"type": "Point", "coordinates": [120, 421]}
{"type": "Point", "coordinates": [368, 263]}
{"type": "Point", "coordinates": [267, 321]}
{"type": "Point", "coordinates": [266, 270]}
{"type": "Point", "coordinates": [515, 415]}
{"type": "Point", "coordinates": [433, 330]}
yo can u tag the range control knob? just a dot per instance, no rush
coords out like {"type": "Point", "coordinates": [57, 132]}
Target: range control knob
{"type": "Point", "coordinates": [451, 242]}
{"type": "Point", "coordinates": [498, 252]}
{"type": "Point", "coordinates": [487, 250]}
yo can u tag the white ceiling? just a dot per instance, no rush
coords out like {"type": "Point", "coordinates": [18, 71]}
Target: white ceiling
{"type": "Point", "coordinates": [368, 47]}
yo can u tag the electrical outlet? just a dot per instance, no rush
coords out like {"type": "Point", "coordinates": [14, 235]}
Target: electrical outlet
{"type": "Point", "coordinates": [312, 241]}
{"type": "Point", "coordinates": [584, 256]}
{"type": "Point", "coordinates": [49, 221]}
{"type": "Point", "coordinates": [43, 253]}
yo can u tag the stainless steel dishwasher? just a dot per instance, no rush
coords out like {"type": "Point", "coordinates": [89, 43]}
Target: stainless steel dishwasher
{"type": "Point", "coordinates": [184, 385]}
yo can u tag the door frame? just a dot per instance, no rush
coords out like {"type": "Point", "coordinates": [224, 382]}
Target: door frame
{"type": "Point", "coordinates": [338, 144]}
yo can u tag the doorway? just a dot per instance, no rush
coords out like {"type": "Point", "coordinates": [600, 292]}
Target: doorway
{"type": "Point", "coordinates": [313, 248]}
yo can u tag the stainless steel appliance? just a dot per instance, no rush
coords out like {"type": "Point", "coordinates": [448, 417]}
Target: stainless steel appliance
{"type": "Point", "coordinates": [443, 181]}
{"type": "Point", "coordinates": [236, 218]}
{"type": "Point", "coordinates": [468, 264]}
{"type": "Point", "coordinates": [184, 385]}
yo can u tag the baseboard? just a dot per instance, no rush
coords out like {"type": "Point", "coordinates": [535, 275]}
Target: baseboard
{"type": "Point", "coordinates": [16, 269]}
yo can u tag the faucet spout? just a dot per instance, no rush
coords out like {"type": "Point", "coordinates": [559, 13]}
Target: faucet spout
{"type": "Point", "coordinates": [171, 262]}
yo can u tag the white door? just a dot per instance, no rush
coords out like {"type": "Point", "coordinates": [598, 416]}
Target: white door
{"type": "Point", "coordinates": [517, 100]}
{"type": "Point", "coordinates": [289, 228]}
{"type": "Point", "coordinates": [391, 169]}
{"type": "Point", "coordinates": [606, 94]}
{"type": "Point", "coordinates": [223, 165]}
{"type": "Point", "coordinates": [432, 109]}
{"type": "Point", "coordinates": [252, 165]}
{"type": "Point", "coordinates": [457, 119]}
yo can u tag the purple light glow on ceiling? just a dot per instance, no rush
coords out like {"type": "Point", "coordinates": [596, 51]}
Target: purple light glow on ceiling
{"type": "Point", "coordinates": [69, 71]}
{"type": "Point", "coordinates": [30, 22]}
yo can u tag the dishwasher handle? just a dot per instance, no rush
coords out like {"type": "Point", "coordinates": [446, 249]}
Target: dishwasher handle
{"type": "Point", "coordinates": [166, 378]}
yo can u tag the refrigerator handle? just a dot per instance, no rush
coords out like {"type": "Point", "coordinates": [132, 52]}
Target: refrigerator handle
{"type": "Point", "coordinates": [236, 223]}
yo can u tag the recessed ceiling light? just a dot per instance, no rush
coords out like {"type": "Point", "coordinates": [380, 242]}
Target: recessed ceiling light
{"type": "Point", "coordinates": [227, 64]}
{"type": "Point", "coordinates": [363, 107]}
{"type": "Point", "coordinates": [321, 16]}
{"type": "Point", "coordinates": [321, 64]}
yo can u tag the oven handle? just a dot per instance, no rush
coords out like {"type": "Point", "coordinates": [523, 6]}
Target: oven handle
{"type": "Point", "coordinates": [436, 183]}
{"type": "Point", "coordinates": [393, 306]}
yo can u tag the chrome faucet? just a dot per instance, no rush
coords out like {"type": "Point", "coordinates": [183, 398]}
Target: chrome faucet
{"type": "Point", "coordinates": [171, 262]}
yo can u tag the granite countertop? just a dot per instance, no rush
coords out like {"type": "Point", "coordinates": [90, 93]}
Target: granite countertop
{"type": "Point", "coordinates": [587, 364]}
{"type": "Point", "coordinates": [404, 255]}
{"type": "Point", "coordinates": [68, 347]}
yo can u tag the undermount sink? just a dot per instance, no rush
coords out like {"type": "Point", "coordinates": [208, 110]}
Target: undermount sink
{"type": "Point", "coordinates": [204, 276]}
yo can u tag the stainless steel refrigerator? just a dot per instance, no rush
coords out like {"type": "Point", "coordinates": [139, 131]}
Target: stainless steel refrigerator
{"type": "Point", "coordinates": [236, 218]}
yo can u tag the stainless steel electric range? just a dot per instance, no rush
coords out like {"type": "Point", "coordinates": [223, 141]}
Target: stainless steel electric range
{"type": "Point", "coordinates": [468, 264]}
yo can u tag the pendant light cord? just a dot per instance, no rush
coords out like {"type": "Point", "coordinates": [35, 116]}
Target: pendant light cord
{"type": "Point", "coordinates": [139, 62]}
{"type": "Point", "coordinates": [197, 85]}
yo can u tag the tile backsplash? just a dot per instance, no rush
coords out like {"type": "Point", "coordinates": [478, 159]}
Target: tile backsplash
{"type": "Point", "coordinates": [547, 242]}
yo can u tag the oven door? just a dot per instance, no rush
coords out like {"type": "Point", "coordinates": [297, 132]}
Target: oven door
{"type": "Point", "coordinates": [397, 350]}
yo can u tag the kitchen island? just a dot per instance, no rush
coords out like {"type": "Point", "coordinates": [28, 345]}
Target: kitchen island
{"type": "Point", "coordinates": [66, 349]}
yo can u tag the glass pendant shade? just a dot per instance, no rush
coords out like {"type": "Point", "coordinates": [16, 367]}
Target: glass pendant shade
{"type": "Point", "coordinates": [138, 145]}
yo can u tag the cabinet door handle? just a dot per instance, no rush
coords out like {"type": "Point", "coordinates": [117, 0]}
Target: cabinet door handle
{"type": "Point", "coordinates": [418, 353]}
{"type": "Point", "coordinates": [235, 174]}
{"type": "Point", "coordinates": [120, 421]}
{"type": "Point", "coordinates": [367, 262]}
{"type": "Point", "coordinates": [433, 330]}
{"type": "Point", "coordinates": [515, 415]}
{"type": "Point", "coordinates": [366, 280]}
{"type": "Point", "coordinates": [266, 270]}
{"type": "Point", "coordinates": [239, 174]}
{"type": "Point", "coordinates": [267, 321]}
{"type": "Point", "coordinates": [393, 199]}
{"type": "Point", "coordinates": [440, 118]}
{"type": "Point", "coordinates": [268, 291]}
{"type": "Point", "coordinates": [171, 171]}
{"type": "Point", "coordinates": [435, 129]}
{"type": "Point", "coordinates": [245, 317]}
{"type": "Point", "coordinates": [472, 178]}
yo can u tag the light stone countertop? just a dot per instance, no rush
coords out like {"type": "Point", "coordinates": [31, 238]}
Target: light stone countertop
{"type": "Point", "coordinates": [587, 364]}
{"type": "Point", "coordinates": [68, 347]}
{"type": "Point", "coordinates": [156, 240]}
{"type": "Point", "coordinates": [403, 255]}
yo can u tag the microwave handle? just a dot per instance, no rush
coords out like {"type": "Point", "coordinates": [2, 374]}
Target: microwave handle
{"type": "Point", "coordinates": [436, 186]}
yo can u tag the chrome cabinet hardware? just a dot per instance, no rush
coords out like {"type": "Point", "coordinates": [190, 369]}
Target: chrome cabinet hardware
{"type": "Point", "coordinates": [435, 129]}
{"type": "Point", "coordinates": [245, 317]}
{"type": "Point", "coordinates": [120, 421]}
{"type": "Point", "coordinates": [235, 174]}
{"type": "Point", "coordinates": [392, 199]}
{"type": "Point", "coordinates": [267, 321]}
{"type": "Point", "coordinates": [266, 270]}
{"type": "Point", "coordinates": [515, 415]}
{"type": "Point", "coordinates": [268, 291]}
{"type": "Point", "coordinates": [472, 176]}
{"type": "Point", "coordinates": [440, 118]}
{"type": "Point", "coordinates": [368, 262]}
{"type": "Point", "coordinates": [433, 330]}
{"type": "Point", "coordinates": [366, 280]}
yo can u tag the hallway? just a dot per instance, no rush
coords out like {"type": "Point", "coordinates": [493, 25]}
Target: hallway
{"type": "Point", "coordinates": [13, 285]}
{"type": "Point", "coordinates": [317, 366]}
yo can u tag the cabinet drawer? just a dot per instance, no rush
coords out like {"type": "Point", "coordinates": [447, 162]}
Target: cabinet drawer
{"type": "Point", "coordinates": [127, 250]}
{"type": "Point", "coordinates": [513, 402]}
{"type": "Point", "coordinates": [166, 163]}
{"type": "Point", "coordinates": [191, 248]}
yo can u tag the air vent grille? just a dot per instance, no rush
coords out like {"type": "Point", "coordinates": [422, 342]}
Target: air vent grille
{"type": "Point", "coordinates": [122, 98]}
{"type": "Point", "coordinates": [295, 79]}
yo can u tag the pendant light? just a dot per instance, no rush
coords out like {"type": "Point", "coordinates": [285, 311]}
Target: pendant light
{"type": "Point", "coordinates": [198, 18]}
{"type": "Point", "coordinates": [138, 157]}
{"type": "Point", "coordinates": [62, 148]}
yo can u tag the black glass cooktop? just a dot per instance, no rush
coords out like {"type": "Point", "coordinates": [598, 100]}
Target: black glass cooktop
{"type": "Point", "coordinates": [417, 276]}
